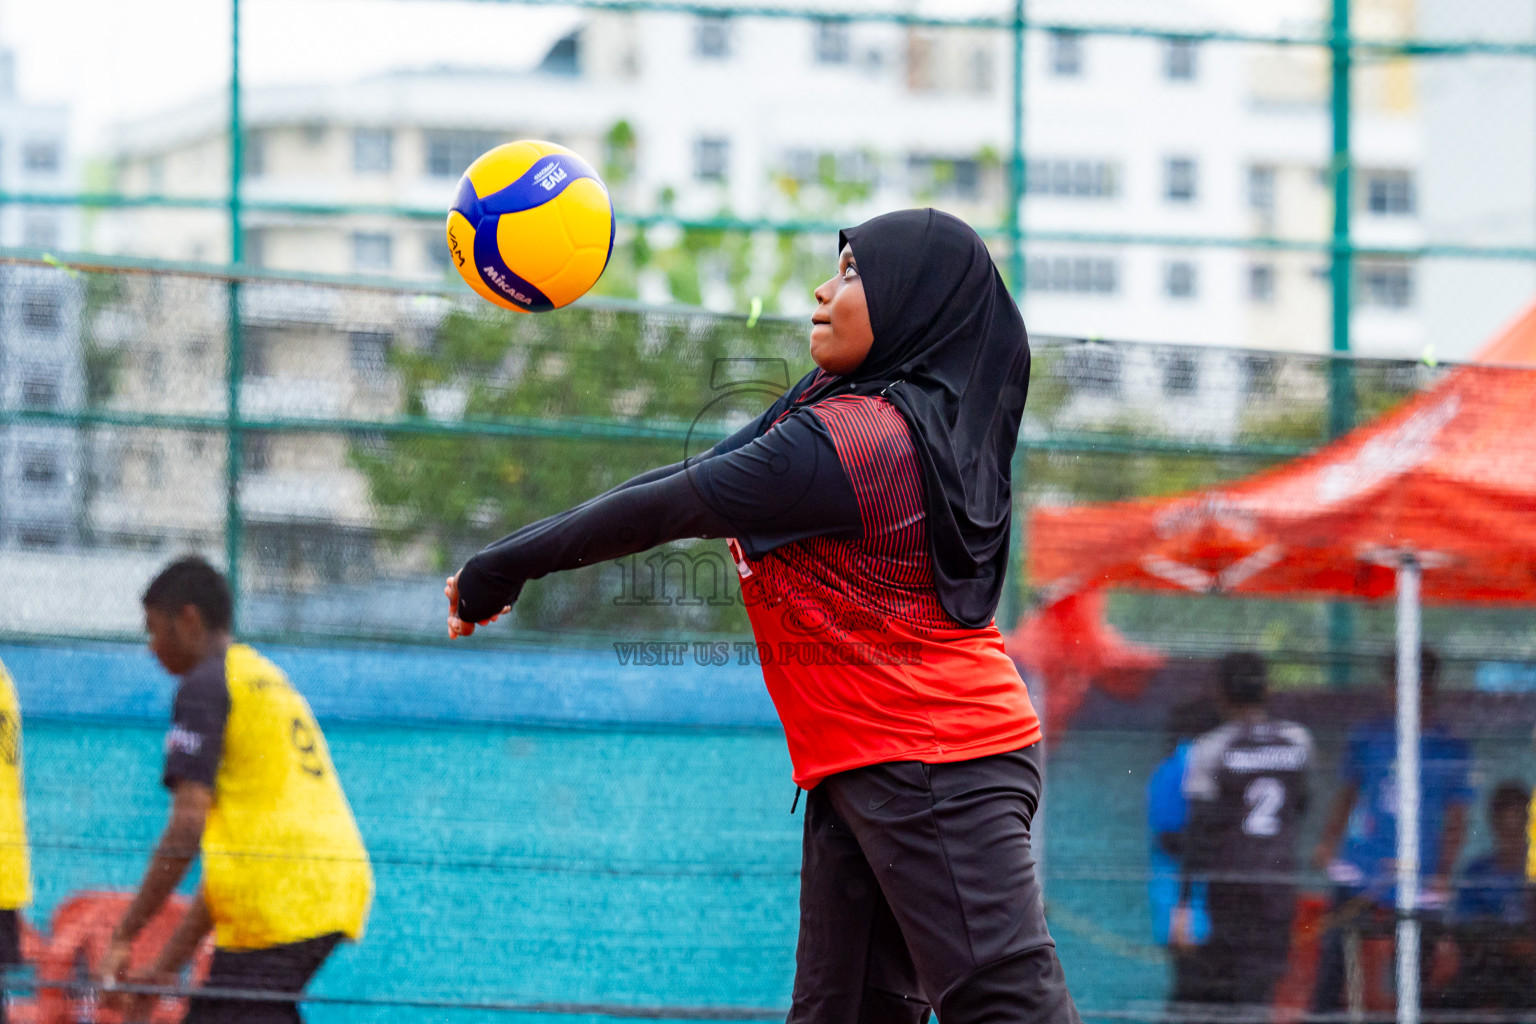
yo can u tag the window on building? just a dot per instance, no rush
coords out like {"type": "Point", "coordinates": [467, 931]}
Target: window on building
{"type": "Point", "coordinates": [801, 165]}
{"type": "Point", "coordinates": [858, 165]}
{"type": "Point", "coordinates": [1390, 193]}
{"type": "Point", "coordinates": [253, 152]}
{"type": "Point", "coordinates": [256, 350]}
{"type": "Point", "coordinates": [372, 442]}
{"type": "Point", "coordinates": [1093, 369]}
{"type": "Point", "coordinates": [564, 56]}
{"type": "Point", "coordinates": [255, 452]}
{"type": "Point", "coordinates": [944, 177]}
{"type": "Point", "coordinates": [1179, 279]}
{"type": "Point", "coordinates": [40, 467]}
{"type": "Point", "coordinates": [808, 167]}
{"type": "Point", "coordinates": [711, 159]}
{"type": "Point", "coordinates": [373, 150]}
{"type": "Point", "coordinates": [832, 41]}
{"type": "Point", "coordinates": [1259, 374]}
{"type": "Point", "coordinates": [1066, 53]}
{"type": "Point", "coordinates": [154, 464]}
{"type": "Point", "coordinates": [967, 179]}
{"type": "Point", "coordinates": [438, 259]}
{"type": "Point", "coordinates": [1385, 285]}
{"type": "Point", "coordinates": [1180, 179]}
{"type": "Point", "coordinates": [1078, 179]}
{"type": "Point", "coordinates": [1261, 283]}
{"type": "Point", "coordinates": [40, 231]}
{"type": "Point", "coordinates": [712, 36]}
{"type": "Point", "coordinates": [1179, 63]}
{"type": "Point", "coordinates": [372, 250]}
{"type": "Point", "coordinates": [41, 156]}
{"type": "Point", "coordinates": [39, 535]}
{"type": "Point", "coordinates": [1081, 275]}
{"type": "Point", "coordinates": [1261, 188]}
{"type": "Point", "coordinates": [370, 354]}
{"type": "Point", "coordinates": [254, 242]}
{"type": "Point", "coordinates": [449, 152]}
{"type": "Point", "coordinates": [154, 368]}
{"type": "Point", "coordinates": [980, 72]}
{"type": "Point", "coordinates": [1181, 374]}
{"type": "Point", "coordinates": [194, 355]}
{"type": "Point", "coordinates": [42, 311]}
{"type": "Point", "coordinates": [40, 391]}
{"type": "Point", "coordinates": [921, 48]}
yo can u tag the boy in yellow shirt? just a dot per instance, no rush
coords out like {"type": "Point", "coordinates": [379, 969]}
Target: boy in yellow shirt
{"type": "Point", "coordinates": [285, 874]}
{"type": "Point", "coordinates": [15, 878]}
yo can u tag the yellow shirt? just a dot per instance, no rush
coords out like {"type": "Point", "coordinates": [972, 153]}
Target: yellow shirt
{"type": "Point", "coordinates": [15, 874]}
{"type": "Point", "coordinates": [1530, 839]}
{"type": "Point", "coordinates": [282, 857]}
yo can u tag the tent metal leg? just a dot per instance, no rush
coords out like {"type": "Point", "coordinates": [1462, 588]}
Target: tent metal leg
{"type": "Point", "coordinates": [1408, 789]}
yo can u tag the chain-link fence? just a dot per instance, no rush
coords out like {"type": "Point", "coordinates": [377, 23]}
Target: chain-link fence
{"type": "Point", "coordinates": [574, 808]}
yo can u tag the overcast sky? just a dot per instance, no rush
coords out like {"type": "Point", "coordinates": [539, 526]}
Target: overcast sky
{"type": "Point", "coordinates": [109, 59]}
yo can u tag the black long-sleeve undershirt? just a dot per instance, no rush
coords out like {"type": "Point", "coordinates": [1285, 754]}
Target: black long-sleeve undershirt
{"type": "Point", "coordinates": [766, 492]}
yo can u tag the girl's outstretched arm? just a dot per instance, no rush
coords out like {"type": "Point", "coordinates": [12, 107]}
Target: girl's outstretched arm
{"type": "Point", "coordinates": [623, 521]}
{"type": "Point", "coordinates": [780, 487]}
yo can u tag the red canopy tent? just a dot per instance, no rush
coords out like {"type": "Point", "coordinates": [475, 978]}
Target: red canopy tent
{"type": "Point", "coordinates": [1436, 499]}
{"type": "Point", "coordinates": [1448, 477]}
{"type": "Point", "coordinates": [1070, 646]}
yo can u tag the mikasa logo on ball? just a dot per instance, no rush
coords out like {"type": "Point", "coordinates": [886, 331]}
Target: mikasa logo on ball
{"type": "Point", "coordinates": [531, 226]}
{"type": "Point", "coordinates": [550, 175]}
{"type": "Point", "coordinates": [504, 284]}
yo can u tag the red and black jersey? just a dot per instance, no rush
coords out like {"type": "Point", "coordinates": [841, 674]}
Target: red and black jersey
{"type": "Point", "coordinates": [823, 507]}
{"type": "Point", "coordinates": [863, 663]}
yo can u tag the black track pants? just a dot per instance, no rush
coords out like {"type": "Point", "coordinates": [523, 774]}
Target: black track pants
{"type": "Point", "coordinates": [10, 950]}
{"type": "Point", "coordinates": [278, 970]}
{"type": "Point", "coordinates": [918, 890]}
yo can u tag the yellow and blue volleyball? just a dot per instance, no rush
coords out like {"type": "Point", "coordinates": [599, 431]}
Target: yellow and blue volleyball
{"type": "Point", "coordinates": [531, 228]}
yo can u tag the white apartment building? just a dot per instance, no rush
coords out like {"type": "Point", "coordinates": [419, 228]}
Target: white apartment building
{"type": "Point", "coordinates": [1480, 172]}
{"type": "Point", "coordinates": [746, 116]}
{"type": "Point", "coordinates": [42, 367]}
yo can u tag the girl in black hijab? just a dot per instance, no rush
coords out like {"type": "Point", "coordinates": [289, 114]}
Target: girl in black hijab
{"type": "Point", "coordinates": [868, 514]}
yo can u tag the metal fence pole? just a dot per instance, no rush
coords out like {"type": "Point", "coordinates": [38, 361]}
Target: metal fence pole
{"type": "Point", "coordinates": [1409, 577]}
{"type": "Point", "coordinates": [1013, 596]}
{"type": "Point", "coordinates": [1341, 411]}
{"type": "Point", "coordinates": [1341, 385]}
{"type": "Point", "coordinates": [233, 525]}
{"type": "Point", "coordinates": [1016, 169]}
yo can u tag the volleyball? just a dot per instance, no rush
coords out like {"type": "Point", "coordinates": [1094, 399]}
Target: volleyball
{"type": "Point", "coordinates": [531, 227]}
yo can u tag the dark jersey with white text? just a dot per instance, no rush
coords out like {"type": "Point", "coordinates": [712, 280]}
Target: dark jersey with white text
{"type": "Point", "coordinates": [1246, 783]}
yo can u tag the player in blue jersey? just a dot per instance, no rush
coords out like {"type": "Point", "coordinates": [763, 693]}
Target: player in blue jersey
{"type": "Point", "coordinates": [1361, 863]}
{"type": "Point", "coordinates": [1167, 818]}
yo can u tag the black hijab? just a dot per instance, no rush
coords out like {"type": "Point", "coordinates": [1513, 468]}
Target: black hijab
{"type": "Point", "coordinates": [950, 353]}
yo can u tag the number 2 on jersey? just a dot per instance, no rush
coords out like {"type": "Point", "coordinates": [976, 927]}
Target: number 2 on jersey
{"type": "Point", "coordinates": [1265, 798]}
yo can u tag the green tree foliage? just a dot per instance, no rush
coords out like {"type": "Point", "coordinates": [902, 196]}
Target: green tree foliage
{"type": "Point", "coordinates": [605, 372]}
{"type": "Point", "coordinates": [103, 363]}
